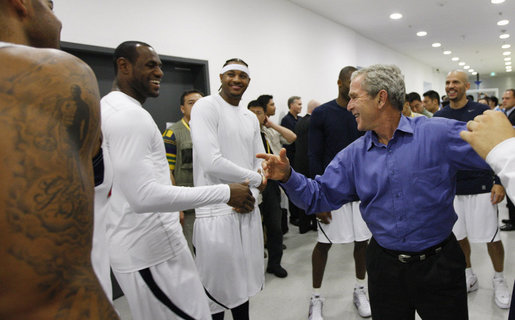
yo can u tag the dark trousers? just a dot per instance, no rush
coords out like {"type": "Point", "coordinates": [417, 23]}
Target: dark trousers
{"type": "Point", "coordinates": [294, 211]}
{"type": "Point", "coordinates": [270, 208]}
{"type": "Point", "coordinates": [511, 210]}
{"type": "Point", "coordinates": [435, 287]}
{"type": "Point", "coordinates": [306, 222]}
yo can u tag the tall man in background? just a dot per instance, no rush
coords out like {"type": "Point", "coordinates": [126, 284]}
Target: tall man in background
{"type": "Point", "coordinates": [332, 129]}
{"type": "Point", "coordinates": [289, 121]}
{"type": "Point", "coordinates": [477, 196]}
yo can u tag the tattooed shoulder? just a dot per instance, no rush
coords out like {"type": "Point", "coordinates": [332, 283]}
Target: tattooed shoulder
{"type": "Point", "coordinates": [49, 121]}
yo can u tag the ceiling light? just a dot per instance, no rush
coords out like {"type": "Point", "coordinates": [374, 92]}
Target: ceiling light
{"type": "Point", "coordinates": [395, 16]}
{"type": "Point", "coordinates": [508, 63]}
{"type": "Point", "coordinates": [503, 22]}
{"type": "Point", "coordinates": [492, 74]}
{"type": "Point", "coordinates": [421, 33]}
{"type": "Point", "coordinates": [471, 70]}
{"type": "Point", "coordinates": [474, 73]}
{"type": "Point", "coordinates": [508, 70]}
{"type": "Point", "coordinates": [504, 36]}
{"type": "Point", "coordinates": [497, 1]}
{"type": "Point", "coordinates": [507, 59]}
{"type": "Point", "coordinates": [447, 52]}
{"type": "Point", "coordinates": [436, 45]}
{"type": "Point", "coordinates": [466, 67]}
{"type": "Point", "coordinates": [506, 53]}
{"type": "Point", "coordinates": [506, 46]}
{"type": "Point", "coordinates": [455, 59]}
{"type": "Point", "coordinates": [462, 63]}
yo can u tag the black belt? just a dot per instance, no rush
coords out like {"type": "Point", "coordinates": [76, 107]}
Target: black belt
{"type": "Point", "coordinates": [409, 257]}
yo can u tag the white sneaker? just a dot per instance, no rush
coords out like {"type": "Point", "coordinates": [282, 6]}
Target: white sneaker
{"type": "Point", "coordinates": [472, 283]}
{"type": "Point", "coordinates": [501, 293]}
{"type": "Point", "coordinates": [315, 308]}
{"type": "Point", "coordinates": [361, 302]}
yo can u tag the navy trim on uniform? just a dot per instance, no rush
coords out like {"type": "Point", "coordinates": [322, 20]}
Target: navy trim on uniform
{"type": "Point", "coordinates": [322, 229]}
{"type": "Point", "coordinates": [160, 295]}
{"type": "Point", "coordinates": [497, 229]}
{"type": "Point", "coordinates": [214, 300]}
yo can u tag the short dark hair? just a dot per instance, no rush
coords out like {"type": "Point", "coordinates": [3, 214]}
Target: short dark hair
{"type": "Point", "coordinates": [292, 99]}
{"type": "Point", "coordinates": [496, 101]}
{"type": "Point", "coordinates": [128, 51]}
{"type": "Point", "coordinates": [237, 60]}
{"type": "Point", "coordinates": [188, 92]}
{"type": "Point", "coordinates": [413, 96]}
{"type": "Point", "coordinates": [264, 99]}
{"type": "Point", "coordinates": [470, 97]}
{"type": "Point", "coordinates": [255, 103]}
{"type": "Point", "coordinates": [433, 95]}
{"type": "Point", "coordinates": [512, 91]}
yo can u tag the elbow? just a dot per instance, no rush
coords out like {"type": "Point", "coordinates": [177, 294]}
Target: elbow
{"type": "Point", "coordinates": [292, 138]}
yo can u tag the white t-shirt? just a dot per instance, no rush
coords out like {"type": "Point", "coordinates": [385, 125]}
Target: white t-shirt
{"type": "Point", "coordinates": [143, 221]}
{"type": "Point", "coordinates": [226, 140]}
{"type": "Point", "coordinates": [275, 139]}
{"type": "Point", "coordinates": [502, 160]}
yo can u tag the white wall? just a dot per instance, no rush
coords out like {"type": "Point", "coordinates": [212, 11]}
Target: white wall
{"type": "Point", "coordinates": [290, 50]}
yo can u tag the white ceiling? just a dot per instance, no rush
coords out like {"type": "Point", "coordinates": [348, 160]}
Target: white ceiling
{"type": "Point", "coordinates": [466, 27]}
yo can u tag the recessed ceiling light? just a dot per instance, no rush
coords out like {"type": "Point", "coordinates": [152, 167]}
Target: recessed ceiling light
{"type": "Point", "coordinates": [504, 36]}
{"type": "Point", "coordinates": [506, 46]}
{"type": "Point", "coordinates": [492, 74]}
{"type": "Point", "coordinates": [508, 63]}
{"type": "Point", "coordinates": [455, 59]}
{"type": "Point", "coordinates": [462, 63]}
{"type": "Point", "coordinates": [506, 53]}
{"type": "Point", "coordinates": [436, 45]}
{"type": "Point", "coordinates": [447, 52]}
{"type": "Point", "coordinates": [507, 59]}
{"type": "Point", "coordinates": [395, 16]}
{"type": "Point", "coordinates": [508, 70]}
{"type": "Point", "coordinates": [466, 67]}
{"type": "Point", "coordinates": [497, 1]}
{"type": "Point", "coordinates": [474, 73]}
{"type": "Point", "coordinates": [421, 33]}
{"type": "Point", "coordinates": [471, 70]}
{"type": "Point", "coordinates": [503, 22]}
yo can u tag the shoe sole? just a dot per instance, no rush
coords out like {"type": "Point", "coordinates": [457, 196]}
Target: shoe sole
{"type": "Point", "coordinates": [502, 305]}
{"type": "Point", "coordinates": [473, 287]}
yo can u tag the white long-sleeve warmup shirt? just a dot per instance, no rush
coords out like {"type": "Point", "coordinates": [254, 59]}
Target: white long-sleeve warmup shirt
{"type": "Point", "coordinates": [143, 221]}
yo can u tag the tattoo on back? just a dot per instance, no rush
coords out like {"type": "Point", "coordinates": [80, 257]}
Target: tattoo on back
{"type": "Point", "coordinates": [47, 194]}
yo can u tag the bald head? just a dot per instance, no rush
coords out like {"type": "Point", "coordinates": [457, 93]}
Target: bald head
{"type": "Point", "coordinates": [312, 104]}
{"type": "Point", "coordinates": [456, 86]}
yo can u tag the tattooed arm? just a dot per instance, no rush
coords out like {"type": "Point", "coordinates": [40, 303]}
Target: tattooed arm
{"type": "Point", "coordinates": [49, 124]}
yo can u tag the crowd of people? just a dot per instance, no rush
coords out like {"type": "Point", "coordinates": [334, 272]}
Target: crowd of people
{"type": "Point", "coordinates": [183, 217]}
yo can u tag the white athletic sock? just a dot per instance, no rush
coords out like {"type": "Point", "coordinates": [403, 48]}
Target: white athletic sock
{"type": "Point", "coordinates": [469, 272]}
{"type": "Point", "coordinates": [498, 275]}
{"type": "Point", "coordinates": [316, 292]}
{"type": "Point", "coordinates": [360, 283]}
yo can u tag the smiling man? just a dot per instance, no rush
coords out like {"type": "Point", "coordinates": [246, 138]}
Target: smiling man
{"type": "Point", "coordinates": [477, 195]}
{"type": "Point", "coordinates": [148, 252]}
{"type": "Point", "coordinates": [229, 245]}
{"type": "Point", "coordinates": [403, 171]}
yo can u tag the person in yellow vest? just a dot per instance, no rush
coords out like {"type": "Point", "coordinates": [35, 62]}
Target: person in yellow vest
{"type": "Point", "coordinates": [177, 139]}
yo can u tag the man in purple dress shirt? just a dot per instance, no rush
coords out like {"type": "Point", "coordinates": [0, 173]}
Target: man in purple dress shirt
{"type": "Point", "coordinates": [403, 171]}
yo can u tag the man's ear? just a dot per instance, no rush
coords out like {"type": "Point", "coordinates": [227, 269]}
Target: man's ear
{"type": "Point", "coordinates": [21, 7]}
{"type": "Point", "coordinates": [124, 65]}
{"type": "Point", "coordinates": [382, 96]}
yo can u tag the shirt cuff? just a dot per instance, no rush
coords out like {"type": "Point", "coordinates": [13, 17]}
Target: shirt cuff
{"type": "Point", "coordinates": [495, 158]}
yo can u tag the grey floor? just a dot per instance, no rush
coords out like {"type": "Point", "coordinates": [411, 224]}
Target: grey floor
{"type": "Point", "coordinates": [288, 298]}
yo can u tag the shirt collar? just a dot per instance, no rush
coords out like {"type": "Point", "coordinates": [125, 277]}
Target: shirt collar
{"type": "Point", "coordinates": [405, 125]}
